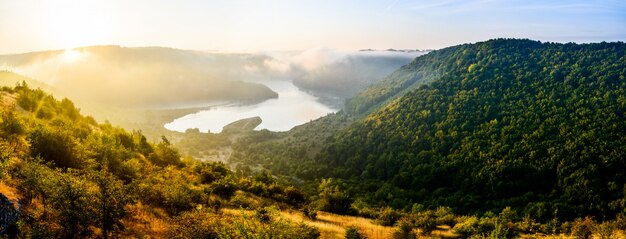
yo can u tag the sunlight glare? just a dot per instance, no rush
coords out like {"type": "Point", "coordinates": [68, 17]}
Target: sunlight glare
{"type": "Point", "coordinates": [73, 24]}
{"type": "Point", "coordinates": [71, 56]}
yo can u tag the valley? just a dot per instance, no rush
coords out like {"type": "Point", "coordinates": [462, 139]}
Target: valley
{"type": "Point", "coordinates": [449, 145]}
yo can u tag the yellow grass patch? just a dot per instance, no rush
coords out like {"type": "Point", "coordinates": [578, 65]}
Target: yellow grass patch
{"type": "Point", "coordinates": [8, 191]}
{"type": "Point", "coordinates": [144, 222]}
{"type": "Point", "coordinates": [334, 226]}
{"type": "Point", "coordinates": [7, 100]}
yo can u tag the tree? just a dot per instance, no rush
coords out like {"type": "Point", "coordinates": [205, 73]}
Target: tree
{"type": "Point", "coordinates": [72, 200]}
{"type": "Point", "coordinates": [111, 201]}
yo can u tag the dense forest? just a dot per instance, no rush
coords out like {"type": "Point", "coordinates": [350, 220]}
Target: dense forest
{"type": "Point", "coordinates": [535, 126]}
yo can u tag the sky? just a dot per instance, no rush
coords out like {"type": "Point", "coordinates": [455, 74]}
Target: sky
{"type": "Point", "coordinates": [284, 25]}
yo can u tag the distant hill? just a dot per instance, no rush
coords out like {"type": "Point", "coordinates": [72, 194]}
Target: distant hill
{"type": "Point", "coordinates": [141, 77]}
{"type": "Point", "coordinates": [346, 74]}
{"type": "Point", "coordinates": [160, 77]}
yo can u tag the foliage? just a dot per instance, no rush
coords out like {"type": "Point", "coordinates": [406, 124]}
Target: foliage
{"type": "Point", "coordinates": [388, 217]}
{"type": "Point", "coordinates": [353, 233]}
{"type": "Point", "coordinates": [77, 179]}
{"type": "Point", "coordinates": [332, 198]}
{"type": "Point", "coordinates": [404, 229]}
{"type": "Point", "coordinates": [583, 228]}
{"type": "Point", "coordinates": [478, 140]}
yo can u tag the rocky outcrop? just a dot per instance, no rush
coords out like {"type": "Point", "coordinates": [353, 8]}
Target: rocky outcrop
{"type": "Point", "coordinates": [10, 212]}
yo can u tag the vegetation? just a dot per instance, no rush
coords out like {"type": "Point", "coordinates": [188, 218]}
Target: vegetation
{"type": "Point", "coordinates": [503, 114]}
{"type": "Point", "coordinates": [498, 139]}
{"type": "Point", "coordinates": [79, 179]}
{"type": "Point", "coordinates": [497, 126]}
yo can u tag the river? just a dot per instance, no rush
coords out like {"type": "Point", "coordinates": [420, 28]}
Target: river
{"type": "Point", "coordinates": [292, 107]}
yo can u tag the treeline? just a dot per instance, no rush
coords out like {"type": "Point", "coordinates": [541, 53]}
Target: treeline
{"type": "Point", "coordinates": [75, 178]}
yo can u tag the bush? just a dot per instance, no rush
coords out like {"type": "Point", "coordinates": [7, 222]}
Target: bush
{"type": "Point", "coordinates": [353, 233]}
{"type": "Point", "coordinates": [467, 227]}
{"type": "Point", "coordinates": [445, 216]}
{"type": "Point", "coordinates": [388, 216]}
{"type": "Point", "coordinates": [426, 221]}
{"type": "Point", "coordinates": [404, 229]}
{"type": "Point", "coordinates": [583, 228]}
{"type": "Point", "coordinates": [309, 212]}
{"type": "Point", "coordinates": [620, 221]}
{"type": "Point", "coordinates": [294, 196]}
{"type": "Point", "coordinates": [211, 171]}
{"type": "Point", "coordinates": [606, 230]}
{"type": "Point", "coordinates": [55, 146]}
{"type": "Point", "coordinates": [164, 155]}
{"type": "Point", "coordinates": [489, 226]}
{"type": "Point", "coordinates": [224, 187]}
{"type": "Point", "coordinates": [239, 200]}
{"type": "Point", "coordinates": [529, 225]}
{"type": "Point", "coordinates": [508, 215]}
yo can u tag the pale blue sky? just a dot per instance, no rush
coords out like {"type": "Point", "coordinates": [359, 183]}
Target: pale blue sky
{"type": "Point", "coordinates": [244, 26]}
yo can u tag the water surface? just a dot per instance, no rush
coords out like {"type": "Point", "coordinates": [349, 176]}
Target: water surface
{"type": "Point", "coordinates": [292, 107]}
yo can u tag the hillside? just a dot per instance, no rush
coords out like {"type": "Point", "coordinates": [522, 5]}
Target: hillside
{"type": "Point", "coordinates": [535, 126]}
{"type": "Point", "coordinates": [11, 79]}
{"type": "Point", "coordinates": [474, 127]}
{"type": "Point", "coordinates": [63, 175]}
{"type": "Point", "coordinates": [497, 139]}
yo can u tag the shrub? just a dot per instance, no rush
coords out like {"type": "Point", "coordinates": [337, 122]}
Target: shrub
{"type": "Point", "coordinates": [388, 217]}
{"type": "Point", "coordinates": [528, 225]}
{"type": "Point", "coordinates": [294, 196]}
{"type": "Point", "coordinates": [489, 226]}
{"type": "Point", "coordinates": [583, 228]}
{"type": "Point", "coordinates": [606, 230]}
{"type": "Point", "coordinates": [353, 233]}
{"type": "Point", "coordinates": [404, 229]}
{"type": "Point", "coordinates": [467, 227]}
{"type": "Point", "coordinates": [508, 215]}
{"type": "Point", "coordinates": [55, 146]}
{"type": "Point", "coordinates": [620, 221]}
{"type": "Point", "coordinates": [239, 200]}
{"type": "Point", "coordinates": [445, 216]}
{"type": "Point", "coordinates": [263, 215]}
{"type": "Point", "coordinates": [224, 187]}
{"type": "Point", "coordinates": [426, 221]}
{"type": "Point", "coordinates": [309, 212]}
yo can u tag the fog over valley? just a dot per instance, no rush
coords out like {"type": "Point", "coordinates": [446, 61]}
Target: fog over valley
{"type": "Point", "coordinates": [123, 78]}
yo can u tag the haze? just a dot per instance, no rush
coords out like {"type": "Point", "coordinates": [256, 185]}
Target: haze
{"type": "Point", "coordinates": [247, 26]}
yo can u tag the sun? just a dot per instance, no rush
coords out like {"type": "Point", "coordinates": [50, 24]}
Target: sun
{"type": "Point", "coordinates": [70, 56]}
{"type": "Point", "coordinates": [70, 24]}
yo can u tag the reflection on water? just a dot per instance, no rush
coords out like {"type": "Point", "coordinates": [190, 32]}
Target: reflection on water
{"type": "Point", "coordinates": [293, 107]}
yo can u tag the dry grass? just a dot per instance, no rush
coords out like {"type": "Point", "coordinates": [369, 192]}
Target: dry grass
{"type": "Point", "coordinates": [330, 225]}
{"type": "Point", "coordinates": [8, 100]}
{"type": "Point", "coordinates": [145, 222]}
{"type": "Point", "coordinates": [334, 226]}
{"type": "Point", "coordinates": [9, 192]}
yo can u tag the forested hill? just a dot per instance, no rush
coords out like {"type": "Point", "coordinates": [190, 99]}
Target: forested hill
{"type": "Point", "coordinates": [536, 126]}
